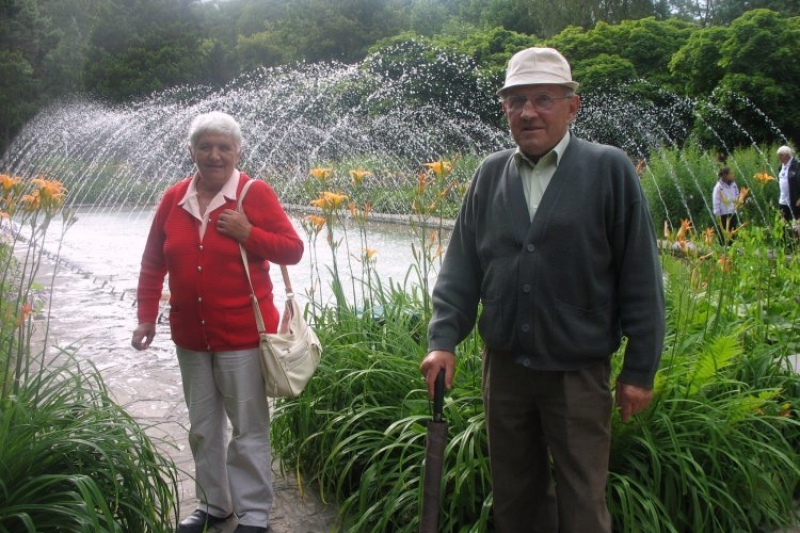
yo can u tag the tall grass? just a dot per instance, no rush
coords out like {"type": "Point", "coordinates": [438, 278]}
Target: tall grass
{"type": "Point", "coordinates": [678, 185]}
{"type": "Point", "coordinates": [714, 453]}
{"type": "Point", "coordinates": [71, 459]}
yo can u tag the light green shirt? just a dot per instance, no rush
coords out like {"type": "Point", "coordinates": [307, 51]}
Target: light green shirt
{"type": "Point", "coordinates": [536, 176]}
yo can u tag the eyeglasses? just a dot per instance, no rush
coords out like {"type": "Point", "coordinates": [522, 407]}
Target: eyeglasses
{"type": "Point", "coordinates": [541, 102]}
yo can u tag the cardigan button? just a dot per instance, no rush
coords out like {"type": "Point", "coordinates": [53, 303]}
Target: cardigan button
{"type": "Point", "coordinates": [526, 328]}
{"type": "Point", "coordinates": [199, 299]}
{"type": "Point", "coordinates": [526, 288]}
{"type": "Point", "coordinates": [199, 268]}
{"type": "Point", "coordinates": [530, 247]}
{"type": "Point", "coordinates": [200, 247]}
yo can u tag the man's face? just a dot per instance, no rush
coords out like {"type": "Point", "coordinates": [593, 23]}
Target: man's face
{"type": "Point", "coordinates": [539, 123]}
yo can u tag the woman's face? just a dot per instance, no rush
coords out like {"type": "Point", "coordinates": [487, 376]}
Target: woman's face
{"type": "Point", "coordinates": [216, 155]}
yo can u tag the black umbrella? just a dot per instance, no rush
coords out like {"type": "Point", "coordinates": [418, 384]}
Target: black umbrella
{"type": "Point", "coordinates": [434, 460]}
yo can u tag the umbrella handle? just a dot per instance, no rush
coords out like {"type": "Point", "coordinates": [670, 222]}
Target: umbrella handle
{"type": "Point", "coordinates": [438, 396]}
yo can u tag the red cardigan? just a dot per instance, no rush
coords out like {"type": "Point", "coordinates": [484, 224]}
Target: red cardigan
{"type": "Point", "coordinates": [210, 307]}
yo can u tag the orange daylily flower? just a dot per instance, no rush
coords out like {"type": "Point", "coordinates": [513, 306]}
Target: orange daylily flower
{"type": "Point", "coordinates": [369, 253]}
{"type": "Point", "coordinates": [440, 168]}
{"type": "Point", "coordinates": [686, 225]}
{"type": "Point", "coordinates": [743, 192]}
{"type": "Point", "coordinates": [725, 263]}
{"type": "Point", "coordinates": [709, 235]}
{"type": "Point", "coordinates": [641, 166]}
{"type": "Point", "coordinates": [358, 176]}
{"type": "Point", "coordinates": [31, 202]}
{"type": "Point", "coordinates": [9, 182]}
{"type": "Point", "coordinates": [316, 222]}
{"type": "Point", "coordinates": [763, 177]}
{"type": "Point", "coordinates": [25, 312]}
{"type": "Point", "coordinates": [423, 180]}
{"type": "Point", "coordinates": [52, 192]}
{"type": "Point", "coordinates": [359, 214]}
{"type": "Point", "coordinates": [322, 174]}
{"type": "Point", "coordinates": [329, 201]}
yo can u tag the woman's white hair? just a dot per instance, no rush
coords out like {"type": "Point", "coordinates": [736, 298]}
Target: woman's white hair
{"type": "Point", "coordinates": [784, 150]}
{"type": "Point", "coordinates": [215, 122]}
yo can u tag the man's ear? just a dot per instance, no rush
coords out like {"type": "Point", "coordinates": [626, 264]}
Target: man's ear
{"type": "Point", "coordinates": [574, 107]}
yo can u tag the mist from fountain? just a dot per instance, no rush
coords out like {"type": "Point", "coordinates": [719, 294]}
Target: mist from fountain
{"type": "Point", "coordinates": [297, 118]}
{"type": "Point", "coordinates": [294, 119]}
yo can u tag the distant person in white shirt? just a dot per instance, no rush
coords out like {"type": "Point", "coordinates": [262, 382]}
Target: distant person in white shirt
{"type": "Point", "coordinates": [725, 196]}
{"type": "Point", "coordinates": [789, 182]}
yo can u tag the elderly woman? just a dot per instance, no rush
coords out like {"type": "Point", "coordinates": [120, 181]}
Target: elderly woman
{"type": "Point", "coordinates": [195, 237]}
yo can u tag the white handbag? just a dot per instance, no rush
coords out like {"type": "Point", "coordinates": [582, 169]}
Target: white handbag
{"type": "Point", "coordinates": [290, 356]}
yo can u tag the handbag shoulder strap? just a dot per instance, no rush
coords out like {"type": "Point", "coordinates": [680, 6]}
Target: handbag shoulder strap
{"type": "Point", "coordinates": [284, 271]}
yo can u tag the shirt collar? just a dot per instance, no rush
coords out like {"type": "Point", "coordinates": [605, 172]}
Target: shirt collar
{"type": "Point", "coordinates": [228, 190]}
{"type": "Point", "coordinates": [556, 152]}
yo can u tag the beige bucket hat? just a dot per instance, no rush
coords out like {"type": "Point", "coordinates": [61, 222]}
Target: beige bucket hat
{"type": "Point", "coordinates": [537, 66]}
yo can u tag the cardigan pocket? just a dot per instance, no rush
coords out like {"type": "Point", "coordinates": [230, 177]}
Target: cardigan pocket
{"type": "Point", "coordinates": [581, 333]}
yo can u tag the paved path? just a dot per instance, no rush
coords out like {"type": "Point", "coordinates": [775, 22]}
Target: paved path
{"type": "Point", "coordinates": [161, 409]}
{"type": "Point", "coordinates": [148, 385]}
{"type": "Point", "coordinates": [155, 399]}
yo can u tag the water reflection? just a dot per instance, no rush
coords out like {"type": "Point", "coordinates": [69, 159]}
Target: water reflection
{"type": "Point", "coordinates": [94, 288]}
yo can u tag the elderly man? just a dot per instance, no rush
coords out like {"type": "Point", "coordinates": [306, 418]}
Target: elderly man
{"type": "Point", "coordinates": [789, 184]}
{"type": "Point", "coordinates": [555, 240]}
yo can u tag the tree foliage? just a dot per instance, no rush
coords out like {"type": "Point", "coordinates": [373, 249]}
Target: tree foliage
{"type": "Point", "coordinates": [734, 61]}
{"type": "Point", "coordinates": [142, 46]}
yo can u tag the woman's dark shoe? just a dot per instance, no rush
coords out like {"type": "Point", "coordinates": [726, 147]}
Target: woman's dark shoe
{"type": "Point", "coordinates": [249, 529]}
{"type": "Point", "coordinates": [199, 521]}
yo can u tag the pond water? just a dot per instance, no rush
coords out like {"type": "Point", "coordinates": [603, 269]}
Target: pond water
{"type": "Point", "coordinates": [95, 283]}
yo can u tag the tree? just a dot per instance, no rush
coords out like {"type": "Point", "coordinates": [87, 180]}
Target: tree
{"type": "Point", "coordinates": [647, 43]}
{"type": "Point", "coordinates": [260, 49]}
{"type": "Point", "coordinates": [758, 59]}
{"type": "Point", "coordinates": [427, 17]}
{"type": "Point", "coordinates": [25, 37]}
{"type": "Point", "coordinates": [143, 46]}
{"type": "Point", "coordinates": [695, 68]}
{"type": "Point", "coordinates": [490, 48]}
{"type": "Point", "coordinates": [341, 30]}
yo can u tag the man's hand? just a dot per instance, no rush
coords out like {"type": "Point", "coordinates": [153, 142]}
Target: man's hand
{"type": "Point", "coordinates": [435, 361]}
{"type": "Point", "coordinates": [631, 399]}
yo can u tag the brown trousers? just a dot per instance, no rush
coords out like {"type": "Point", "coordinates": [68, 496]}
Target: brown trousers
{"type": "Point", "coordinates": [549, 442]}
